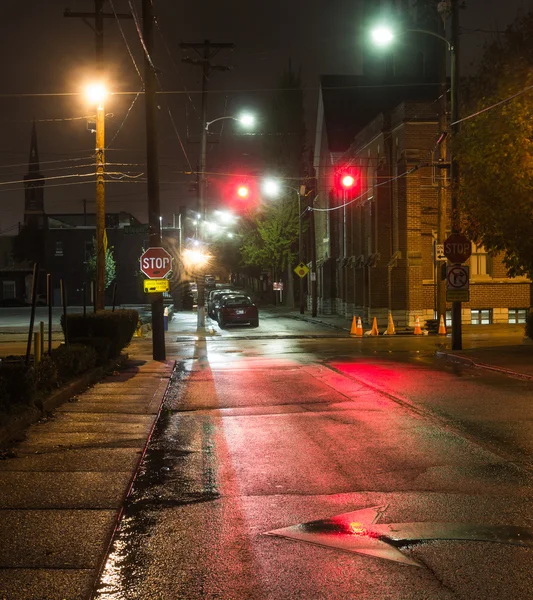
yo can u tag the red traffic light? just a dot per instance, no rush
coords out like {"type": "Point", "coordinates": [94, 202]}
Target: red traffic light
{"type": "Point", "coordinates": [347, 178]}
{"type": "Point", "coordinates": [347, 181]}
{"type": "Point", "coordinates": [243, 191]}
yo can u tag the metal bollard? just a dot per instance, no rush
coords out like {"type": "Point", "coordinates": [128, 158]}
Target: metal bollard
{"type": "Point", "coordinates": [37, 347]}
{"type": "Point", "coordinates": [41, 333]}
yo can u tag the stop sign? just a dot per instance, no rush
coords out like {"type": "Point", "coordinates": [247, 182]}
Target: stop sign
{"type": "Point", "coordinates": [156, 263]}
{"type": "Point", "coordinates": [457, 248]}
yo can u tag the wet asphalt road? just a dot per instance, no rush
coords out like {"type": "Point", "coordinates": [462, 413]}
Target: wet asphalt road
{"type": "Point", "coordinates": [293, 422]}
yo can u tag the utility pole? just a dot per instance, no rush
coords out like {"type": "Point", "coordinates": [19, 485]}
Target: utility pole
{"type": "Point", "coordinates": [206, 50]}
{"type": "Point", "coordinates": [152, 172]}
{"type": "Point", "coordinates": [312, 245]}
{"type": "Point", "coordinates": [457, 343]}
{"type": "Point", "coordinates": [442, 201]}
{"type": "Point", "coordinates": [98, 29]}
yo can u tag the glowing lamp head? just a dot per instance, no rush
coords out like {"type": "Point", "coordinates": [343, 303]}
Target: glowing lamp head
{"type": "Point", "coordinates": [243, 192]}
{"type": "Point", "coordinates": [195, 258]}
{"type": "Point", "coordinates": [96, 93]}
{"type": "Point", "coordinates": [347, 181]}
{"type": "Point", "coordinates": [382, 36]}
{"type": "Point", "coordinates": [271, 188]}
{"type": "Point", "coordinates": [247, 119]}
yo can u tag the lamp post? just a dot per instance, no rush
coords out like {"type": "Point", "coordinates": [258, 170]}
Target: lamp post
{"type": "Point", "coordinates": [383, 36]}
{"type": "Point", "coordinates": [271, 187]}
{"type": "Point", "coordinates": [245, 119]}
{"type": "Point", "coordinates": [97, 94]}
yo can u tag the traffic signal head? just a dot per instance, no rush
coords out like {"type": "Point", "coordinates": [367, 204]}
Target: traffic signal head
{"type": "Point", "coordinates": [243, 191]}
{"type": "Point", "coordinates": [347, 181]}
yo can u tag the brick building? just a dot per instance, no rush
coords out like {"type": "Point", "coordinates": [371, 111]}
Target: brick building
{"type": "Point", "coordinates": [376, 243]}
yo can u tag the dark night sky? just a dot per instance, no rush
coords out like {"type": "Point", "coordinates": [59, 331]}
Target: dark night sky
{"type": "Point", "coordinates": [44, 53]}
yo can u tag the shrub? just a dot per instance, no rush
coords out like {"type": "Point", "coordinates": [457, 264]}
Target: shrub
{"type": "Point", "coordinates": [46, 375]}
{"type": "Point", "coordinates": [17, 383]}
{"type": "Point", "coordinates": [21, 384]}
{"type": "Point", "coordinates": [529, 324]}
{"type": "Point", "coordinates": [118, 327]}
{"type": "Point", "coordinates": [72, 360]}
{"type": "Point", "coordinates": [101, 346]}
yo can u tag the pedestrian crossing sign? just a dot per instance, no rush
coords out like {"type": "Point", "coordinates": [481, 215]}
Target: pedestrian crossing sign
{"type": "Point", "coordinates": [301, 270]}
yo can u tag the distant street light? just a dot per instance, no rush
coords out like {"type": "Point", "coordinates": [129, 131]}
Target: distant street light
{"type": "Point", "coordinates": [245, 119]}
{"type": "Point", "coordinates": [96, 94]}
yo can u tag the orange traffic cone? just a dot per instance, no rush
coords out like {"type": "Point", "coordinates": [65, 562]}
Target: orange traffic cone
{"type": "Point", "coordinates": [418, 329]}
{"type": "Point", "coordinates": [359, 329]}
{"type": "Point", "coordinates": [390, 327]}
{"type": "Point", "coordinates": [353, 330]}
{"type": "Point", "coordinates": [375, 330]}
{"type": "Point", "coordinates": [442, 326]}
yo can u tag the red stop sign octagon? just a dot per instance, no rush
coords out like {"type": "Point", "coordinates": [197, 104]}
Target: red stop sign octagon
{"type": "Point", "coordinates": [457, 248]}
{"type": "Point", "coordinates": [156, 263]}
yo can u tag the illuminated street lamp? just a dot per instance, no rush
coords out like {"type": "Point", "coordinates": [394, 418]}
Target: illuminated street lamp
{"type": "Point", "coordinates": [245, 119]}
{"type": "Point", "coordinates": [97, 94]}
{"type": "Point", "coordinates": [383, 36]}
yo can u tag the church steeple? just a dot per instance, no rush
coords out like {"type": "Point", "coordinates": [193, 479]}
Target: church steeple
{"type": "Point", "coordinates": [34, 151]}
{"type": "Point", "coordinates": [34, 187]}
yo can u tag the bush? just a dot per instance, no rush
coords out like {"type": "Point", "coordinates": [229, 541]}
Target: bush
{"type": "Point", "coordinates": [529, 324]}
{"type": "Point", "coordinates": [17, 383]}
{"type": "Point", "coordinates": [101, 347]}
{"type": "Point", "coordinates": [72, 360]}
{"type": "Point", "coordinates": [118, 327]}
{"type": "Point", "coordinates": [21, 384]}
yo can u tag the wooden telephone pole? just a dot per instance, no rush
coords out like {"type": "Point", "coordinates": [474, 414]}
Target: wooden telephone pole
{"type": "Point", "coordinates": [206, 51]}
{"type": "Point", "coordinates": [98, 15]}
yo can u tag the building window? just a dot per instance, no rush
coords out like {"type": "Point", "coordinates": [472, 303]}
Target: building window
{"type": "Point", "coordinates": [518, 315]}
{"type": "Point", "coordinates": [9, 289]}
{"type": "Point", "coordinates": [480, 261]}
{"type": "Point", "coordinates": [59, 248]}
{"type": "Point", "coordinates": [481, 316]}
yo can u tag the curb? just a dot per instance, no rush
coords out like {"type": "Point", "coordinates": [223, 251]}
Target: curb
{"type": "Point", "coordinates": [465, 360]}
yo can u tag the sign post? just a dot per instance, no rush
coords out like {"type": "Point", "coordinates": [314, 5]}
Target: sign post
{"type": "Point", "coordinates": [156, 264]}
{"type": "Point", "coordinates": [457, 249]}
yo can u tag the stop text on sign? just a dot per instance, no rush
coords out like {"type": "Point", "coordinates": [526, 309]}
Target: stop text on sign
{"type": "Point", "coordinates": [457, 248]}
{"type": "Point", "coordinates": [156, 262]}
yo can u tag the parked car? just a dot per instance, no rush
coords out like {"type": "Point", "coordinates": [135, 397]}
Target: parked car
{"type": "Point", "coordinates": [237, 308]}
{"type": "Point", "coordinates": [213, 297]}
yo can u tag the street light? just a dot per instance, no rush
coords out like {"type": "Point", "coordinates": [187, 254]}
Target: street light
{"type": "Point", "coordinates": [96, 94]}
{"type": "Point", "coordinates": [247, 120]}
{"type": "Point", "coordinates": [384, 35]}
{"type": "Point", "coordinates": [272, 187]}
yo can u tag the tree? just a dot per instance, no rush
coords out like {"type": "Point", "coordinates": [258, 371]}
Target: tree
{"type": "Point", "coordinates": [268, 239]}
{"type": "Point", "coordinates": [110, 266]}
{"type": "Point", "coordinates": [495, 150]}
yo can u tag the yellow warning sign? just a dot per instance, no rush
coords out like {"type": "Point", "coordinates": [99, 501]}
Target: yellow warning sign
{"type": "Point", "coordinates": [301, 270]}
{"type": "Point", "coordinates": [154, 286]}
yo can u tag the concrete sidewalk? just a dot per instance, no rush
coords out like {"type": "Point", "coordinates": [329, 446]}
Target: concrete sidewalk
{"type": "Point", "coordinates": [63, 487]}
